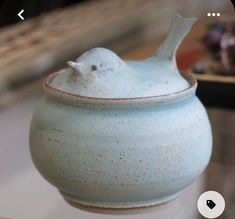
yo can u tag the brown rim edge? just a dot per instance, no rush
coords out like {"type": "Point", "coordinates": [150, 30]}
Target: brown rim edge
{"type": "Point", "coordinates": [118, 210]}
{"type": "Point", "coordinates": [172, 97]}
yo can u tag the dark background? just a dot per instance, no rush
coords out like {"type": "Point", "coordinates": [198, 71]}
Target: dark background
{"type": "Point", "coordinates": [10, 8]}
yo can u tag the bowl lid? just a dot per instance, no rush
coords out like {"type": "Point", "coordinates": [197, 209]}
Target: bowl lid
{"type": "Point", "coordinates": [100, 73]}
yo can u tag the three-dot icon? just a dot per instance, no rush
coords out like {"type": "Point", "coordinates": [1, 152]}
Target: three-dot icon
{"type": "Point", "coordinates": [213, 14]}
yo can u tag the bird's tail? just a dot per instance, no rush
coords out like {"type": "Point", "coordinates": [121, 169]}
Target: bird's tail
{"type": "Point", "coordinates": [179, 28]}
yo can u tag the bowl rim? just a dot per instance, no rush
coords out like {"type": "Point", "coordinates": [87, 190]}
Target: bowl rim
{"type": "Point", "coordinates": [177, 96]}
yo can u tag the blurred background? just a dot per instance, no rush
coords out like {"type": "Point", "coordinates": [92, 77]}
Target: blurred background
{"type": "Point", "coordinates": [54, 32]}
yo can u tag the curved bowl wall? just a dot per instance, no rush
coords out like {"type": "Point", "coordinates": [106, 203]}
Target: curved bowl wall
{"type": "Point", "coordinates": [120, 158]}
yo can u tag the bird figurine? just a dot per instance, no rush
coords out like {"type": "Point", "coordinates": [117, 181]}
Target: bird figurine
{"type": "Point", "coordinates": [101, 73]}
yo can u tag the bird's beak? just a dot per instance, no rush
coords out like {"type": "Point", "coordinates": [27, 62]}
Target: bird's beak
{"type": "Point", "coordinates": [75, 66]}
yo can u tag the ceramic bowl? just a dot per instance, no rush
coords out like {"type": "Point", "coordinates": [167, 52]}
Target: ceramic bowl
{"type": "Point", "coordinates": [120, 153]}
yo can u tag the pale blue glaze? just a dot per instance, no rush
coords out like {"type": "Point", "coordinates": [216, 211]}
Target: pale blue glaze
{"type": "Point", "coordinates": [120, 158]}
{"type": "Point", "coordinates": [99, 72]}
{"type": "Point", "coordinates": [115, 78]}
{"type": "Point", "coordinates": [108, 139]}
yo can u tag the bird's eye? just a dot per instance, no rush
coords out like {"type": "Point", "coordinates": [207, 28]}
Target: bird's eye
{"type": "Point", "coordinates": [93, 67]}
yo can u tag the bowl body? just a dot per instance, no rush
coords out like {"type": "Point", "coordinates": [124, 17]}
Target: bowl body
{"type": "Point", "coordinates": [133, 156]}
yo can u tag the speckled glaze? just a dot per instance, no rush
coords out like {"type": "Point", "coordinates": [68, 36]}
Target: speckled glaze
{"type": "Point", "coordinates": [116, 154]}
{"type": "Point", "coordinates": [120, 153]}
{"type": "Point", "coordinates": [99, 72]}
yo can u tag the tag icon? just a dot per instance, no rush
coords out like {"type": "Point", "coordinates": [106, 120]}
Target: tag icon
{"type": "Point", "coordinates": [210, 204]}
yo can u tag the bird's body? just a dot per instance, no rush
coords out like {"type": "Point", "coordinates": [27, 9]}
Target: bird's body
{"type": "Point", "coordinates": [99, 72]}
{"type": "Point", "coordinates": [159, 76]}
{"type": "Point", "coordinates": [114, 77]}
